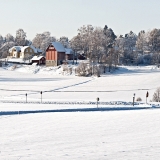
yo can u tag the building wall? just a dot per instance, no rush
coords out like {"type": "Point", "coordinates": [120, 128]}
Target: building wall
{"type": "Point", "coordinates": [28, 52]}
{"type": "Point", "coordinates": [51, 57]}
{"type": "Point", "coordinates": [21, 54]}
{"type": "Point", "coordinates": [69, 56]}
{"type": "Point", "coordinates": [51, 54]}
{"type": "Point", "coordinates": [54, 58]}
{"type": "Point", "coordinates": [51, 63]}
{"type": "Point", "coordinates": [13, 53]}
{"type": "Point", "coordinates": [40, 62]}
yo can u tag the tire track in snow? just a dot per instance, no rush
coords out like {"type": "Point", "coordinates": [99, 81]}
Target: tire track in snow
{"type": "Point", "coordinates": [54, 90]}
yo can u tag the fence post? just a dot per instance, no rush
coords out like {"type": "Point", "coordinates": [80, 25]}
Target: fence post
{"type": "Point", "coordinates": [97, 101]}
{"type": "Point", "coordinates": [26, 97]}
{"type": "Point", "coordinates": [41, 96]}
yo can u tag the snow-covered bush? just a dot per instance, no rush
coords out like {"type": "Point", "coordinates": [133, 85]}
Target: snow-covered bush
{"type": "Point", "coordinates": [156, 95]}
{"type": "Point", "coordinates": [83, 69]}
{"type": "Point", "coordinates": [66, 69]}
{"type": "Point", "coordinates": [139, 99]}
{"type": "Point", "coordinates": [97, 71]}
{"type": "Point", "coordinates": [12, 67]}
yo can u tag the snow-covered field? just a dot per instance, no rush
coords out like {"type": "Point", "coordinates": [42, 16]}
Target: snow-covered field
{"type": "Point", "coordinates": [83, 135]}
{"type": "Point", "coordinates": [132, 134]}
{"type": "Point", "coordinates": [118, 86]}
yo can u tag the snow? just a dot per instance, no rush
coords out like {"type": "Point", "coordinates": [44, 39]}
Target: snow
{"type": "Point", "coordinates": [19, 60]}
{"type": "Point", "coordinates": [58, 46]}
{"type": "Point", "coordinates": [130, 134]}
{"type": "Point", "coordinates": [36, 57]}
{"type": "Point", "coordinates": [97, 135]}
{"type": "Point", "coordinates": [36, 50]}
{"type": "Point", "coordinates": [18, 48]}
{"type": "Point", "coordinates": [23, 48]}
{"type": "Point", "coordinates": [117, 86]}
{"type": "Point", "coordinates": [69, 51]}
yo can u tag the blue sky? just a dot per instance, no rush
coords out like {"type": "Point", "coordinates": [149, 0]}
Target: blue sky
{"type": "Point", "coordinates": [64, 17]}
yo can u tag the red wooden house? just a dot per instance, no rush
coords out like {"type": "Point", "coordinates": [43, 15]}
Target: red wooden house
{"type": "Point", "coordinates": [55, 54]}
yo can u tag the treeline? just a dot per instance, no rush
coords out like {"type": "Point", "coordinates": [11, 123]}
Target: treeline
{"type": "Point", "coordinates": [98, 45]}
{"type": "Point", "coordinates": [102, 45]}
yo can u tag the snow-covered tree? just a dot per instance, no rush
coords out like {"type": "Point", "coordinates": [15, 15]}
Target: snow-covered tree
{"type": "Point", "coordinates": [20, 37]}
{"type": "Point", "coordinates": [42, 40]}
{"type": "Point", "coordinates": [1, 40]}
{"type": "Point", "coordinates": [65, 41]}
{"type": "Point", "coordinates": [156, 95]}
{"type": "Point", "coordinates": [108, 38]}
{"type": "Point", "coordinates": [5, 44]}
{"type": "Point", "coordinates": [108, 43]}
{"type": "Point", "coordinates": [154, 40]}
{"type": "Point", "coordinates": [85, 34]}
{"type": "Point", "coordinates": [9, 38]}
{"type": "Point", "coordinates": [4, 50]}
{"type": "Point", "coordinates": [142, 41]}
{"type": "Point", "coordinates": [96, 45]}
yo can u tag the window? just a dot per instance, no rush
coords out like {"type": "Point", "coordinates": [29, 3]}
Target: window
{"type": "Point", "coordinates": [26, 50]}
{"type": "Point", "coordinates": [30, 50]}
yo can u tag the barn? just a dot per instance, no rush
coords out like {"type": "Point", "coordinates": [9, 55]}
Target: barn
{"type": "Point", "coordinates": [55, 54]}
{"type": "Point", "coordinates": [40, 60]}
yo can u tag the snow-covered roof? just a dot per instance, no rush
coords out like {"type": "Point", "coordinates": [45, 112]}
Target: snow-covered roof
{"type": "Point", "coordinates": [39, 50]}
{"type": "Point", "coordinates": [37, 58]}
{"type": "Point", "coordinates": [69, 51]}
{"type": "Point", "coordinates": [22, 48]}
{"type": "Point", "coordinates": [80, 52]}
{"type": "Point", "coordinates": [36, 50]}
{"type": "Point", "coordinates": [18, 48]}
{"type": "Point", "coordinates": [58, 46]}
